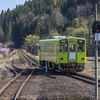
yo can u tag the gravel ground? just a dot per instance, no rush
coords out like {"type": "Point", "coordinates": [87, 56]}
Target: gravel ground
{"type": "Point", "coordinates": [40, 87]}
{"type": "Point", "coordinates": [5, 74]}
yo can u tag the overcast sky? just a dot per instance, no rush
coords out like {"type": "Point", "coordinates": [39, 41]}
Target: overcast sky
{"type": "Point", "coordinates": [5, 4]}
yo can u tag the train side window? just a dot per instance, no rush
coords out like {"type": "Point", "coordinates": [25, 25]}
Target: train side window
{"type": "Point", "coordinates": [47, 47]}
{"type": "Point", "coordinates": [63, 47]}
{"type": "Point", "coordinates": [53, 48]}
{"type": "Point", "coordinates": [50, 47]}
{"type": "Point", "coordinates": [42, 47]}
{"type": "Point", "coordinates": [81, 46]}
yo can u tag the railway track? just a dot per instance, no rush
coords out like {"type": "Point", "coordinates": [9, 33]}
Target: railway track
{"type": "Point", "coordinates": [29, 59]}
{"type": "Point", "coordinates": [13, 88]}
{"type": "Point", "coordinates": [14, 84]}
{"type": "Point", "coordinates": [78, 76]}
{"type": "Point", "coordinates": [36, 62]}
{"type": "Point", "coordinates": [84, 78]}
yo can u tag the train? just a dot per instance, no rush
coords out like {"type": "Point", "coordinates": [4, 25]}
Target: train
{"type": "Point", "coordinates": [64, 53]}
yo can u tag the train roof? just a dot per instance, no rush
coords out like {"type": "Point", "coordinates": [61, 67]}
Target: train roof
{"type": "Point", "coordinates": [57, 39]}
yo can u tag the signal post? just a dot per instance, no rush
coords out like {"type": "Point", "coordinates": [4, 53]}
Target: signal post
{"type": "Point", "coordinates": [96, 33]}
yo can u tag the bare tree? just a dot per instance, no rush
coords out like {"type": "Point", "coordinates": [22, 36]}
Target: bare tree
{"type": "Point", "coordinates": [44, 18]}
{"type": "Point", "coordinates": [71, 13]}
{"type": "Point", "coordinates": [60, 19]}
{"type": "Point", "coordinates": [84, 10]}
{"type": "Point", "coordinates": [55, 16]}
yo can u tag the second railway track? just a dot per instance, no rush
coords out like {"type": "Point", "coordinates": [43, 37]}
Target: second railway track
{"type": "Point", "coordinates": [85, 78]}
{"type": "Point", "coordinates": [13, 88]}
{"type": "Point", "coordinates": [78, 76]}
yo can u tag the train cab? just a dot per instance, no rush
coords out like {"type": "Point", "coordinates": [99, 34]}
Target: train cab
{"type": "Point", "coordinates": [72, 53]}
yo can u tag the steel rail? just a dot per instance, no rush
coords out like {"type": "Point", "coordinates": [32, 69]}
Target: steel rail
{"type": "Point", "coordinates": [4, 87]}
{"type": "Point", "coordinates": [30, 57]}
{"type": "Point", "coordinates": [21, 87]}
{"type": "Point", "coordinates": [84, 79]}
{"type": "Point", "coordinates": [15, 67]}
{"type": "Point", "coordinates": [24, 55]}
{"type": "Point", "coordinates": [49, 75]}
{"type": "Point", "coordinates": [86, 76]}
{"type": "Point", "coordinates": [27, 57]}
{"type": "Point", "coordinates": [12, 70]}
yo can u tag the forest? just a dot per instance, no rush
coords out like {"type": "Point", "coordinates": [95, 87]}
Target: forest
{"type": "Point", "coordinates": [43, 18]}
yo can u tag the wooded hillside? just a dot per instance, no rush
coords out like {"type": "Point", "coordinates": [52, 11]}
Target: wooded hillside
{"type": "Point", "coordinates": [45, 18]}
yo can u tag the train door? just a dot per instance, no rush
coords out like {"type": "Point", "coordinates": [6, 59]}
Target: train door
{"type": "Point", "coordinates": [72, 51]}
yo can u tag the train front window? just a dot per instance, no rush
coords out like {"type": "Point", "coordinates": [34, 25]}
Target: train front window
{"type": "Point", "coordinates": [81, 45]}
{"type": "Point", "coordinates": [72, 47]}
{"type": "Point", "coordinates": [63, 46]}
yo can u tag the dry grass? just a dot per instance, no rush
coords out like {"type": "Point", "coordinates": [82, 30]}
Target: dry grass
{"type": "Point", "coordinates": [37, 57]}
{"type": "Point", "coordinates": [13, 55]}
{"type": "Point", "coordinates": [10, 56]}
{"type": "Point", "coordinates": [90, 66]}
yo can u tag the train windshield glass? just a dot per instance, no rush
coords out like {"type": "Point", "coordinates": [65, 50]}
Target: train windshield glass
{"type": "Point", "coordinates": [63, 46]}
{"type": "Point", "coordinates": [72, 47]}
{"type": "Point", "coordinates": [81, 45]}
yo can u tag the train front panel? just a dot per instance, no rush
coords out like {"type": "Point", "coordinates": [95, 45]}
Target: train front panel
{"type": "Point", "coordinates": [72, 53]}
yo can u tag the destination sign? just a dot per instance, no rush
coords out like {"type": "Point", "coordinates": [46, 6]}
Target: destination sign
{"type": "Point", "coordinates": [63, 41]}
{"type": "Point", "coordinates": [80, 41]}
{"type": "Point", "coordinates": [72, 39]}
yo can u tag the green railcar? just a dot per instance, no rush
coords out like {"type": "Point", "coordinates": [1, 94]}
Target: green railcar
{"type": "Point", "coordinates": [63, 53]}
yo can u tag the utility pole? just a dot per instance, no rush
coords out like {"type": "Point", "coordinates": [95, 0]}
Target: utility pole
{"type": "Point", "coordinates": [96, 60]}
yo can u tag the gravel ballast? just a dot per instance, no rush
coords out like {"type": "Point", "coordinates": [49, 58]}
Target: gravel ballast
{"type": "Point", "coordinates": [40, 87]}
